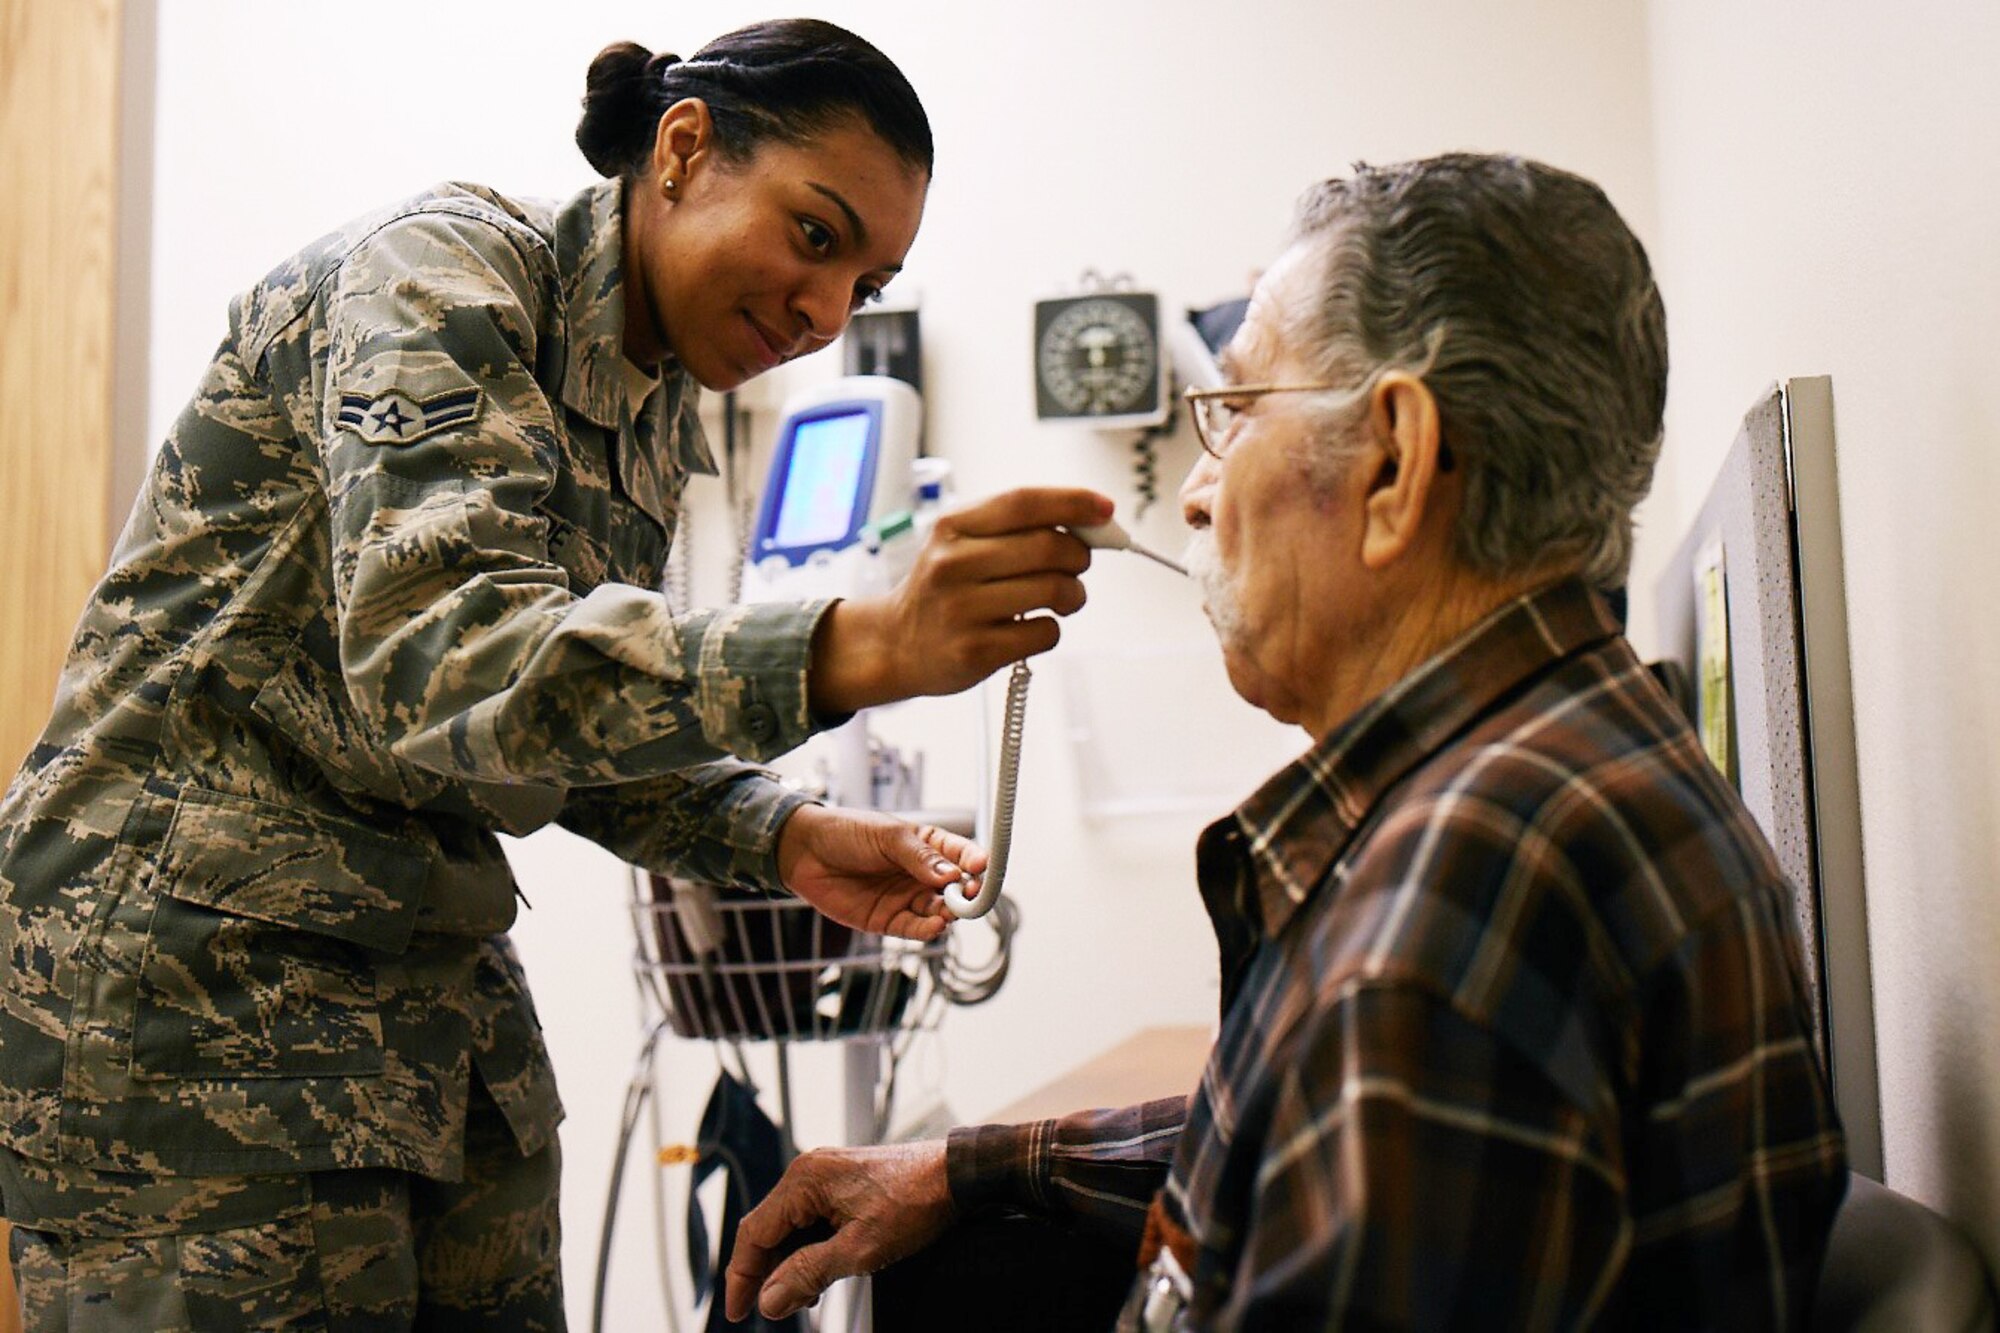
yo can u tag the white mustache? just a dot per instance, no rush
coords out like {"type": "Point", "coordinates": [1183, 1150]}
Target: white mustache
{"type": "Point", "coordinates": [1218, 590]}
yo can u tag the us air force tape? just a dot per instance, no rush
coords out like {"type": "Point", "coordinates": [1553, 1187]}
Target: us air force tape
{"type": "Point", "coordinates": [396, 418]}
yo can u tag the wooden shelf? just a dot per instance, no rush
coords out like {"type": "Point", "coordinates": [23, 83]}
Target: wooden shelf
{"type": "Point", "coordinates": [1153, 1062]}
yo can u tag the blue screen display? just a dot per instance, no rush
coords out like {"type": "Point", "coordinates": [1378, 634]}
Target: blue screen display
{"type": "Point", "coordinates": [821, 481]}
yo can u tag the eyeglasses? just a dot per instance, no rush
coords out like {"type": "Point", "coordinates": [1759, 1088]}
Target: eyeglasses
{"type": "Point", "coordinates": [1215, 410]}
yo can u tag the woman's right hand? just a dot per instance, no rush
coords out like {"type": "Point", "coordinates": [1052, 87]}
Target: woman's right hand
{"type": "Point", "coordinates": [967, 608]}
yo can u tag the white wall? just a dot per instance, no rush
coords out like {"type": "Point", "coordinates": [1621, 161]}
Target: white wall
{"type": "Point", "coordinates": [1827, 206]}
{"type": "Point", "coordinates": [1163, 139]}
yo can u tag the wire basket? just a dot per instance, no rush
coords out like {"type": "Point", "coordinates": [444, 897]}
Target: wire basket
{"type": "Point", "coordinates": [729, 964]}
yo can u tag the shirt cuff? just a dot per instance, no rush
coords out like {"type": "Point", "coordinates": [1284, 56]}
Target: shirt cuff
{"type": "Point", "coordinates": [752, 819]}
{"type": "Point", "coordinates": [750, 674]}
{"type": "Point", "coordinates": [989, 1166]}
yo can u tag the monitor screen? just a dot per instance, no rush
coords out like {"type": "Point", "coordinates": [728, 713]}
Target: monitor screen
{"type": "Point", "coordinates": [822, 480]}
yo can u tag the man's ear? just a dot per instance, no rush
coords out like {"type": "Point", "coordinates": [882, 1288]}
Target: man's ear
{"type": "Point", "coordinates": [1403, 426]}
{"type": "Point", "coordinates": [680, 142]}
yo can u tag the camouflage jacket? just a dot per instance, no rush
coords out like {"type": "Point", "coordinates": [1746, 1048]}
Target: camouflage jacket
{"type": "Point", "coordinates": [390, 588]}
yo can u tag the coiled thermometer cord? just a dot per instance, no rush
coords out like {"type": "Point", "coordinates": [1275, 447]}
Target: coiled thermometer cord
{"type": "Point", "coordinates": [1106, 536]}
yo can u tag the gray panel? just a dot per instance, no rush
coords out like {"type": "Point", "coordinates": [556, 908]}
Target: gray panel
{"type": "Point", "coordinates": [1836, 785]}
{"type": "Point", "coordinates": [1749, 510]}
{"type": "Point", "coordinates": [1790, 758]}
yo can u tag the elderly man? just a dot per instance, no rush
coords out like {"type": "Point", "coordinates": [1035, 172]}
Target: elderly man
{"type": "Point", "coordinates": [1513, 1030]}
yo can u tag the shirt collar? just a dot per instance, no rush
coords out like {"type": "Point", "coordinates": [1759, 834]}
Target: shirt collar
{"type": "Point", "coordinates": [1293, 827]}
{"type": "Point", "coordinates": [590, 253]}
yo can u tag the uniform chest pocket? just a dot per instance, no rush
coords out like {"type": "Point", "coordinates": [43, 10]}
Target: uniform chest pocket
{"type": "Point", "coordinates": [603, 528]}
{"type": "Point", "coordinates": [582, 556]}
{"type": "Point", "coordinates": [638, 546]}
{"type": "Point", "coordinates": [265, 937]}
{"type": "Point", "coordinates": [631, 549]}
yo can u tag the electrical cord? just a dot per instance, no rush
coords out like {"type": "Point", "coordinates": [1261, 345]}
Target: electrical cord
{"type": "Point", "coordinates": [641, 1095]}
{"type": "Point", "coordinates": [679, 584]}
{"type": "Point", "coordinates": [977, 984]}
{"type": "Point", "coordinates": [1146, 470]}
{"type": "Point", "coordinates": [662, 1259]}
{"type": "Point", "coordinates": [637, 1091]}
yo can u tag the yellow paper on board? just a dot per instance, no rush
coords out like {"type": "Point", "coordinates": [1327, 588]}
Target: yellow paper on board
{"type": "Point", "coordinates": [1714, 704]}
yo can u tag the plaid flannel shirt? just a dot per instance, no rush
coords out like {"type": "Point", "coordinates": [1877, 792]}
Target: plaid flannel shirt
{"type": "Point", "coordinates": [1514, 1027]}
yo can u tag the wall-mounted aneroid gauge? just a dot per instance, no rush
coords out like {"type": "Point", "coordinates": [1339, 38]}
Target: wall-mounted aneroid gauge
{"type": "Point", "coordinates": [1098, 360]}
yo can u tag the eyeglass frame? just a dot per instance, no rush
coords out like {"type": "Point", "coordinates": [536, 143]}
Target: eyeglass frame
{"type": "Point", "coordinates": [1194, 398]}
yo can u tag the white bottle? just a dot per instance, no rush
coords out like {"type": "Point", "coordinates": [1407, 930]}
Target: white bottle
{"type": "Point", "coordinates": [930, 480]}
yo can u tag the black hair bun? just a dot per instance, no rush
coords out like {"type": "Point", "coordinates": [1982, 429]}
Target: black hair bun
{"type": "Point", "coordinates": [615, 105]}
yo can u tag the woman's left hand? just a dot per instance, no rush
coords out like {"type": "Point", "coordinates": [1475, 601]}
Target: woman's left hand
{"type": "Point", "coordinates": [872, 871]}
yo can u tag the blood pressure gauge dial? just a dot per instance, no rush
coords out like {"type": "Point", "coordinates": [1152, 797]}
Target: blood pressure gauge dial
{"type": "Point", "coordinates": [1097, 359]}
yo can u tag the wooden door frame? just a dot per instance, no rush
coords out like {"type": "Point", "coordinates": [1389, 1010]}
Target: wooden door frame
{"type": "Point", "coordinates": [76, 272]}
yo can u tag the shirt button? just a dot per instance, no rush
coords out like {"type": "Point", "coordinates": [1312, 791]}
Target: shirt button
{"type": "Point", "coordinates": [760, 721]}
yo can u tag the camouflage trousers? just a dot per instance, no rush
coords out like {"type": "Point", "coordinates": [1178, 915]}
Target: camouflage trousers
{"type": "Point", "coordinates": [327, 1250]}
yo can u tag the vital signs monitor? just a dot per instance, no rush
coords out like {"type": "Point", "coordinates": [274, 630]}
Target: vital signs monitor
{"type": "Point", "coordinates": [842, 456]}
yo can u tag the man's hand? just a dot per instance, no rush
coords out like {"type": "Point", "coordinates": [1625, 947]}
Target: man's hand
{"type": "Point", "coordinates": [966, 608]}
{"type": "Point", "coordinates": [883, 1204]}
{"type": "Point", "coordinates": [872, 871]}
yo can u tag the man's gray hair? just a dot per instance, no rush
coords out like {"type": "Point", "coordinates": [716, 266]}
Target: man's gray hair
{"type": "Point", "coordinates": [1522, 300]}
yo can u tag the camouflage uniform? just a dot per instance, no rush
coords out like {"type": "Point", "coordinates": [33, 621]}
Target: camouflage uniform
{"type": "Point", "coordinates": [390, 588]}
{"type": "Point", "coordinates": [329, 1250]}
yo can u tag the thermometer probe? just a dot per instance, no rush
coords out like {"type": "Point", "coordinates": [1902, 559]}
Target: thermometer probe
{"type": "Point", "coordinates": [1108, 536]}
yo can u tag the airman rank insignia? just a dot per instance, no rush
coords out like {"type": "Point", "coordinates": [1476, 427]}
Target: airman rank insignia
{"type": "Point", "coordinates": [396, 418]}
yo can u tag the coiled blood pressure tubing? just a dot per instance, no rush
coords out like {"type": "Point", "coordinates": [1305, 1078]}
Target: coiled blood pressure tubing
{"type": "Point", "coordinates": [1107, 536]}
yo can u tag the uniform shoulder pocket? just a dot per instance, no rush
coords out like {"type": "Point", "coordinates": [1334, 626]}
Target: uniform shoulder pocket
{"type": "Point", "coordinates": [264, 942]}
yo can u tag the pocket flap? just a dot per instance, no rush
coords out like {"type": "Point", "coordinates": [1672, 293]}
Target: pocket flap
{"type": "Point", "coordinates": [294, 868]}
